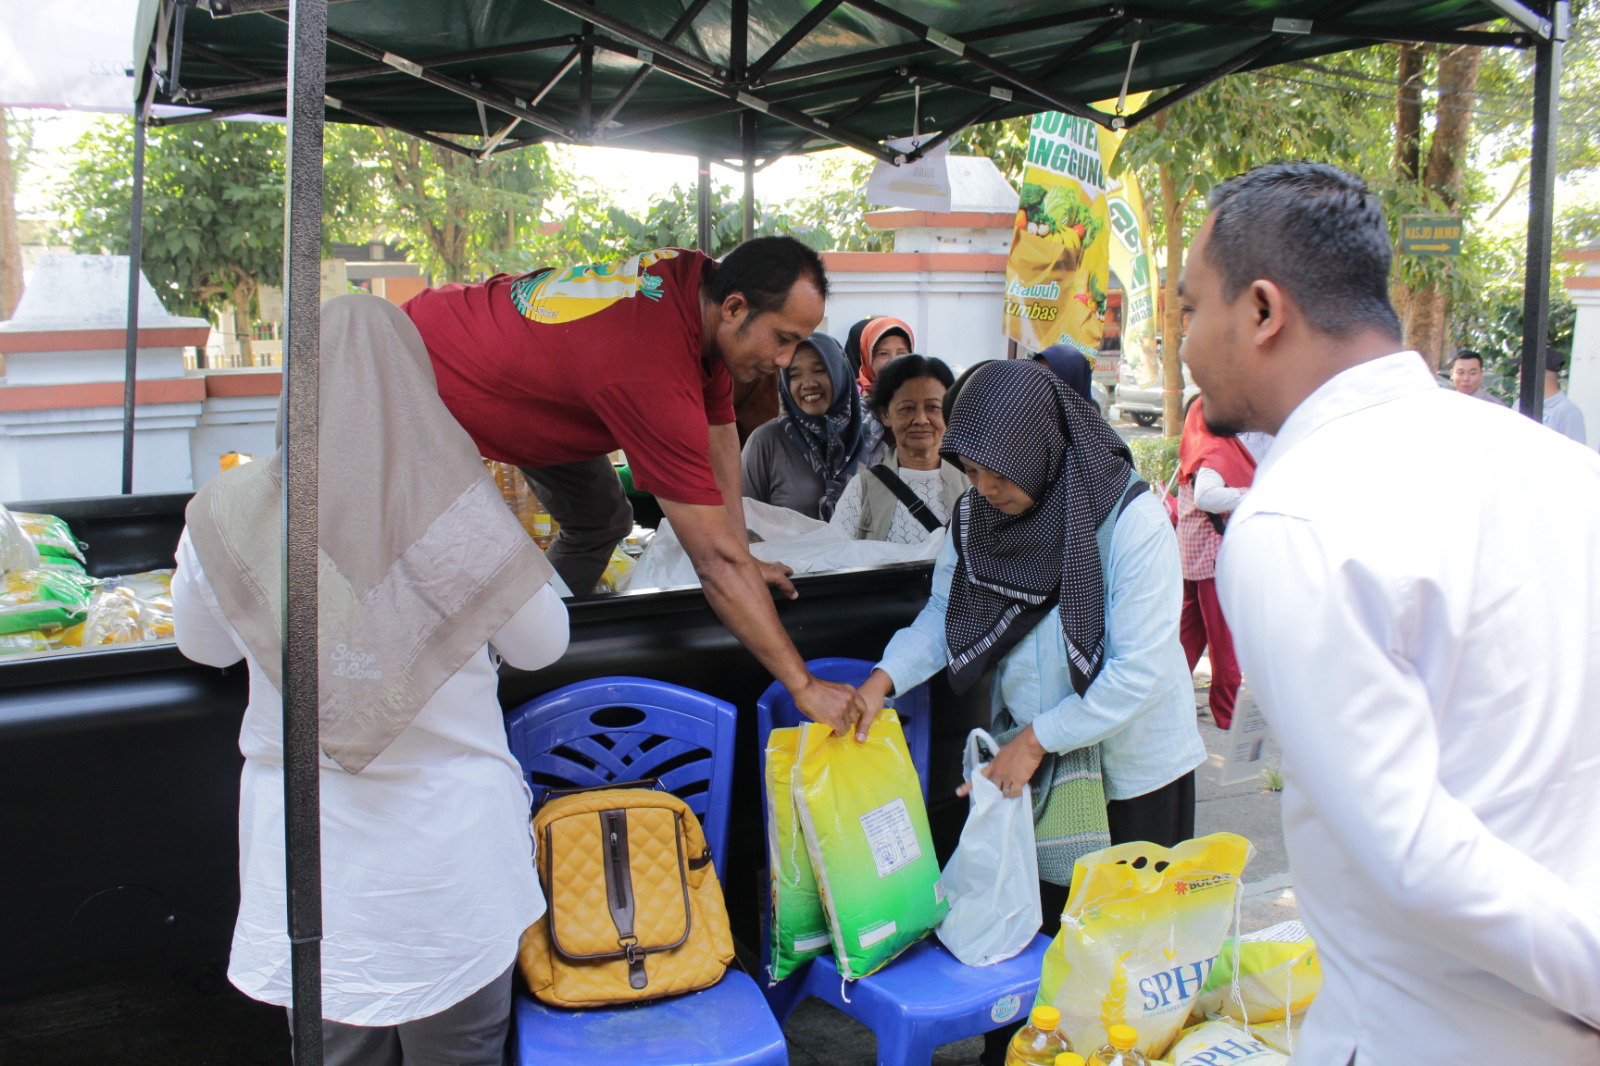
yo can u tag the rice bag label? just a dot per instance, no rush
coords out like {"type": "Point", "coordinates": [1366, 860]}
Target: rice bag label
{"type": "Point", "coordinates": [881, 933]}
{"type": "Point", "coordinates": [1219, 1043]}
{"type": "Point", "coordinates": [892, 837]}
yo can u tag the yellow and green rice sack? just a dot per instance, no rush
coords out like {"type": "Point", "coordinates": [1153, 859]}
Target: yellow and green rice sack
{"type": "Point", "coordinates": [798, 927]}
{"type": "Point", "coordinates": [866, 829]}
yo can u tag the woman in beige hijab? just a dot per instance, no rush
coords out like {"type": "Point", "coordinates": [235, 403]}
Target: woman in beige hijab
{"type": "Point", "coordinates": [427, 860]}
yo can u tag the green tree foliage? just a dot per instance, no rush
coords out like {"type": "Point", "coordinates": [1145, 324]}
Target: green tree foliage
{"type": "Point", "coordinates": [462, 218]}
{"type": "Point", "coordinates": [213, 209]}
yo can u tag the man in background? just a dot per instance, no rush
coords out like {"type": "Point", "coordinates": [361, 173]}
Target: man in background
{"type": "Point", "coordinates": [1560, 413]}
{"type": "Point", "coordinates": [1466, 374]}
{"type": "Point", "coordinates": [1423, 638]}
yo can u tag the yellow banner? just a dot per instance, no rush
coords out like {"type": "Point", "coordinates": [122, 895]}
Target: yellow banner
{"type": "Point", "coordinates": [1134, 266]}
{"type": "Point", "coordinates": [1062, 245]}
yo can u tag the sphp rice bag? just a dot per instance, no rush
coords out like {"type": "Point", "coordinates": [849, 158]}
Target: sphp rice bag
{"type": "Point", "coordinates": [16, 547]}
{"type": "Point", "coordinates": [866, 830]}
{"type": "Point", "coordinates": [1280, 1036]}
{"type": "Point", "coordinates": [43, 599]}
{"type": "Point", "coordinates": [798, 926]}
{"type": "Point", "coordinates": [1139, 936]}
{"type": "Point", "coordinates": [51, 535]}
{"type": "Point", "coordinates": [1222, 1043]}
{"type": "Point", "coordinates": [1279, 975]}
{"type": "Point", "coordinates": [130, 608]}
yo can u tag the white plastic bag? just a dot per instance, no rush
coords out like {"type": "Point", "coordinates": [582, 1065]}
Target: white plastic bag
{"type": "Point", "coordinates": [992, 880]}
{"type": "Point", "coordinates": [804, 544]}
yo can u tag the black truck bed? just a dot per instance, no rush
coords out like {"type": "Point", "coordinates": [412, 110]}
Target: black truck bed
{"type": "Point", "coordinates": [119, 768]}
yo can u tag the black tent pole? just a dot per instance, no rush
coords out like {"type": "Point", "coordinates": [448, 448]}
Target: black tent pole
{"type": "Point", "coordinates": [747, 121]}
{"type": "Point", "coordinates": [130, 372]}
{"type": "Point", "coordinates": [703, 208]}
{"type": "Point", "coordinates": [308, 25]}
{"type": "Point", "coordinates": [1541, 211]}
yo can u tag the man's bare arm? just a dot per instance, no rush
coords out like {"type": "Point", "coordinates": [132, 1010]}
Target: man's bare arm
{"type": "Point", "coordinates": [736, 590]}
{"type": "Point", "coordinates": [728, 470]}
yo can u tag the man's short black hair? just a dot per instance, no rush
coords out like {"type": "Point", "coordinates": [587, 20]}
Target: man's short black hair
{"type": "Point", "coordinates": [1315, 231]}
{"type": "Point", "coordinates": [897, 372]}
{"type": "Point", "coordinates": [764, 269]}
{"type": "Point", "coordinates": [1555, 360]}
{"type": "Point", "coordinates": [1467, 353]}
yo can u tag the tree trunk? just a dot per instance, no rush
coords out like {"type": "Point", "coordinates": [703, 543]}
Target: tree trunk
{"type": "Point", "coordinates": [10, 240]}
{"type": "Point", "coordinates": [1408, 114]}
{"type": "Point", "coordinates": [1458, 88]}
{"type": "Point", "coordinates": [240, 295]}
{"type": "Point", "coordinates": [1428, 321]}
{"type": "Point", "coordinates": [1172, 321]}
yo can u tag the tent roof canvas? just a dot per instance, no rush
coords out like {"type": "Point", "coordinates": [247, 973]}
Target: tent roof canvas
{"type": "Point", "coordinates": [680, 76]}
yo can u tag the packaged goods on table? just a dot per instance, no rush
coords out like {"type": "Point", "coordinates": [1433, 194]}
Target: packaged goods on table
{"type": "Point", "coordinates": [135, 607]}
{"type": "Point", "coordinates": [619, 571]}
{"type": "Point", "coordinates": [1222, 1042]}
{"type": "Point", "coordinates": [53, 537]}
{"type": "Point", "coordinates": [866, 830]}
{"type": "Point", "coordinates": [797, 927]}
{"type": "Point", "coordinates": [43, 599]}
{"type": "Point", "coordinates": [1141, 930]}
{"type": "Point", "coordinates": [17, 550]}
{"type": "Point", "coordinates": [1279, 975]}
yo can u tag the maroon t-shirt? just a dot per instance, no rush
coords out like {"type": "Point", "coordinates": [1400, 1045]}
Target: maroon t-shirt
{"type": "Point", "coordinates": [570, 363]}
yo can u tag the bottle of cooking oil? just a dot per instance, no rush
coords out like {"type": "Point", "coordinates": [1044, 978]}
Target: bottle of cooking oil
{"type": "Point", "coordinates": [1119, 1049]}
{"type": "Point", "coordinates": [1039, 1042]}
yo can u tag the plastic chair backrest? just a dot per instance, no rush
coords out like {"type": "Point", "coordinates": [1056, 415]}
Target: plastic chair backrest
{"type": "Point", "coordinates": [614, 730]}
{"type": "Point", "coordinates": [775, 709]}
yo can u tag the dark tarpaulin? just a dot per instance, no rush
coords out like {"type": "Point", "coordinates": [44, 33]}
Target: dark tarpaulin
{"type": "Point", "coordinates": [844, 68]}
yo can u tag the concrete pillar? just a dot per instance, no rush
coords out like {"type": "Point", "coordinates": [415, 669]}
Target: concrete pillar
{"type": "Point", "coordinates": [1583, 386]}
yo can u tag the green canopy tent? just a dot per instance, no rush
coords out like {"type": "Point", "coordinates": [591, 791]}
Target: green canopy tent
{"type": "Point", "coordinates": [744, 81]}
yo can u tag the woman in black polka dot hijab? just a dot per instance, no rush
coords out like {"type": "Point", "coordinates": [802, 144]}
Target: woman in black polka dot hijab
{"type": "Point", "coordinates": [1027, 546]}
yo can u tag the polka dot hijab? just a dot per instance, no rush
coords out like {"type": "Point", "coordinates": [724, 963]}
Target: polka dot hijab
{"type": "Point", "coordinates": [1017, 419]}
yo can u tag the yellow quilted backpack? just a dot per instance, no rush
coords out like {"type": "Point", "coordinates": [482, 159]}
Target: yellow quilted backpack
{"type": "Point", "coordinates": [635, 911]}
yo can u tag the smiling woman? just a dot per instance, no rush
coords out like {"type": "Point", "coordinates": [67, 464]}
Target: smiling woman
{"type": "Point", "coordinates": [803, 460]}
{"type": "Point", "coordinates": [908, 496]}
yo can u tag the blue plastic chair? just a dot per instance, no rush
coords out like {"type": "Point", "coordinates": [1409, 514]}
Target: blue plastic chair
{"type": "Point", "coordinates": [617, 730]}
{"type": "Point", "coordinates": [926, 997]}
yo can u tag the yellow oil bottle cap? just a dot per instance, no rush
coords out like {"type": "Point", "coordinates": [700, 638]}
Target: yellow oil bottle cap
{"type": "Point", "coordinates": [1044, 1018]}
{"type": "Point", "coordinates": [1069, 1058]}
{"type": "Point", "coordinates": [1122, 1037]}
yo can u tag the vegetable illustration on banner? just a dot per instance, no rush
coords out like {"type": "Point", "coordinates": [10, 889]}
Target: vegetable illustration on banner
{"type": "Point", "coordinates": [1071, 217]}
{"type": "Point", "coordinates": [1059, 266]}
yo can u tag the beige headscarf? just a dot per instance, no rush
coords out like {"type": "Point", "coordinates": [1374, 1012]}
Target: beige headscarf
{"type": "Point", "coordinates": [420, 562]}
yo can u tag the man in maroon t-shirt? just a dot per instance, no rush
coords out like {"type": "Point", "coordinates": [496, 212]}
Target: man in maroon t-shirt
{"type": "Point", "coordinates": [554, 369]}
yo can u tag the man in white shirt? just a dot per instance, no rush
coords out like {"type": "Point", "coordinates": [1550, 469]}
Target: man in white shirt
{"type": "Point", "coordinates": [1560, 413]}
{"type": "Point", "coordinates": [1466, 374]}
{"type": "Point", "coordinates": [1424, 638]}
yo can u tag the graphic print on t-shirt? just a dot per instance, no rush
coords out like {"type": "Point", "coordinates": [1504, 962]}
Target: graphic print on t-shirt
{"type": "Point", "coordinates": [557, 295]}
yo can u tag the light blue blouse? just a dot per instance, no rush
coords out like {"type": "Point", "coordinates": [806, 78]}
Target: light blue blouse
{"type": "Point", "coordinates": [1140, 708]}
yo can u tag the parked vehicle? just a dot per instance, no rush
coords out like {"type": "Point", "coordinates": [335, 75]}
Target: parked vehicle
{"type": "Point", "coordinates": [1146, 405]}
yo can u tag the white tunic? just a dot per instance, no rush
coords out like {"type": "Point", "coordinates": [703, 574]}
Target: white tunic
{"type": "Point", "coordinates": [1414, 590]}
{"type": "Point", "coordinates": [427, 857]}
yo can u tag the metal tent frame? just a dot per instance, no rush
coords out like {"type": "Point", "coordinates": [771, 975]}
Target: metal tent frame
{"type": "Point", "coordinates": [826, 69]}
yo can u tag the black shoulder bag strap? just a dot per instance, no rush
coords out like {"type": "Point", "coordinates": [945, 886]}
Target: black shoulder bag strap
{"type": "Point", "coordinates": [902, 492]}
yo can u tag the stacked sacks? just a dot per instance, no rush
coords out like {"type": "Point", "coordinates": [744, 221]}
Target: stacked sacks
{"type": "Point", "coordinates": [869, 878]}
{"type": "Point", "coordinates": [48, 601]}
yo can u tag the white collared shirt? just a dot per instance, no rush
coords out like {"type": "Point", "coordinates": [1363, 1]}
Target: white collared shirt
{"type": "Point", "coordinates": [427, 860]}
{"type": "Point", "coordinates": [1413, 586]}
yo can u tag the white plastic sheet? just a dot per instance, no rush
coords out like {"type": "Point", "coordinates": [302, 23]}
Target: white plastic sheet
{"type": "Point", "coordinates": [992, 880]}
{"type": "Point", "coordinates": [805, 544]}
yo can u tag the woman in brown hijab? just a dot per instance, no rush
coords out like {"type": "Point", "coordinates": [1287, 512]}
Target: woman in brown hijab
{"type": "Point", "coordinates": [427, 861]}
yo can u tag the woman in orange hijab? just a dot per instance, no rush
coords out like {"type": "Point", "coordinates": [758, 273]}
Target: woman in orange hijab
{"type": "Point", "coordinates": [882, 339]}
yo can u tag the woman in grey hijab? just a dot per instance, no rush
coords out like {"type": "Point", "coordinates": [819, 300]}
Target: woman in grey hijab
{"type": "Point", "coordinates": [428, 880]}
